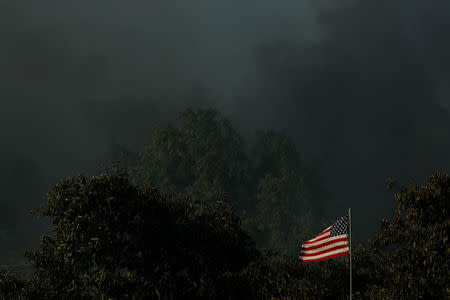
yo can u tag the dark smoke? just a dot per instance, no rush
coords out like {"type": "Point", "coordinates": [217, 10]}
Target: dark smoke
{"type": "Point", "coordinates": [362, 86]}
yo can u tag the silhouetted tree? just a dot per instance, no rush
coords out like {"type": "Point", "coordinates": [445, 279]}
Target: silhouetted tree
{"type": "Point", "coordinates": [203, 158]}
{"type": "Point", "coordinates": [11, 287]}
{"type": "Point", "coordinates": [282, 215]}
{"type": "Point", "coordinates": [115, 240]}
{"type": "Point", "coordinates": [413, 247]}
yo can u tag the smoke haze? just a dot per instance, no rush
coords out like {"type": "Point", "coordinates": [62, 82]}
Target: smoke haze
{"type": "Point", "coordinates": [363, 87]}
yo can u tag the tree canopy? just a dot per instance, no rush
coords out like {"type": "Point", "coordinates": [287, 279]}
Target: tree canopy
{"type": "Point", "coordinates": [414, 246]}
{"type": "Point", "coordinates": [281, 215]}
{"type": "Point", "coordinates": [205, 157]}
{"type": "Point", "coordinates": [167, 228]}
{"type": "Point", "coordinates": [113, 239]}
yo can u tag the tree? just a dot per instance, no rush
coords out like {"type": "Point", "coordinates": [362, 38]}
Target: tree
{"type": "Point", "coordinates": [282, 216]}
{"type": "Point", "coordinates": [203, 158]}
{"type": "Point", "coordinates": [414, 246]}
{"type": "Point", "coordinates": [112, 239]}
{"type": "Point", "coordinates": [11, 287]}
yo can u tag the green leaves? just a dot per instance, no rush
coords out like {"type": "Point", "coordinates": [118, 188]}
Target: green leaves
{"type": "Point", "coordinates": [414, 245]}
{"type": "Point", "coordinates": [116, 240]}
{"type": "Point", "coordinates": [205, 157]}
{"type": "Point", "coordinates": [202, 159]}
{"type": "Point", "coordinates": [281, 216]}
{"type": "Point", "coordinates": [11, 287]}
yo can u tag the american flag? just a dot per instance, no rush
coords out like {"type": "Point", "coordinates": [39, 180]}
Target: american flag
{"type": "Point", "coordinates": [330, 243]}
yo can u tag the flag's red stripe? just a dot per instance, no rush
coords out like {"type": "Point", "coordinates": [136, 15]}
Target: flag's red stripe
{"type": "Point", "coordinates": [325, 251]}
{"type": "Point", "coordinates": [325, 257]}
{"type": "Point", "coordinates": [324, 244]}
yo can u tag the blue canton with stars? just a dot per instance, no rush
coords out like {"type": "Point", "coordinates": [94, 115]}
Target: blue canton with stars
{"type": "Point", "coordinates": [340, 226]}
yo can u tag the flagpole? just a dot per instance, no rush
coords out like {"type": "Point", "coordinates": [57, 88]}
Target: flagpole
{"type": "Point", "coordinates": [350, 247]}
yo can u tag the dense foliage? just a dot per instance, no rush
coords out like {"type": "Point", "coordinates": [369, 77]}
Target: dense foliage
{"type": "Point", "coordinates": [414, 247]}
{"type": "Point", "coordinates": [11, 287]}
{"type": "Point", "coordinates": [115, 240]}
{"type": "Point", "coordinates": [281, 216]}
{"type": "Point", "coordinates": [205, 157]}
{"type": "Point", "coordinates": [120, 238]}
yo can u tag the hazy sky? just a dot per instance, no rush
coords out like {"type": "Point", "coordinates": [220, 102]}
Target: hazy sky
{"type": "Point", "coordinates": [362, 86]}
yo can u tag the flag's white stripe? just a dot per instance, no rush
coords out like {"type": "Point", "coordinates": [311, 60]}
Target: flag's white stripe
{"type": "Point", "coordinates": [322, 236]}
{"type": "Point", "coordinates": [324, 254]}
{"type": "Point", "coordinates": [323, 233]}
{"type": "Point", "coordinates": [325, 247]}
{"type": "Point", "coordinates": [324, 241]}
